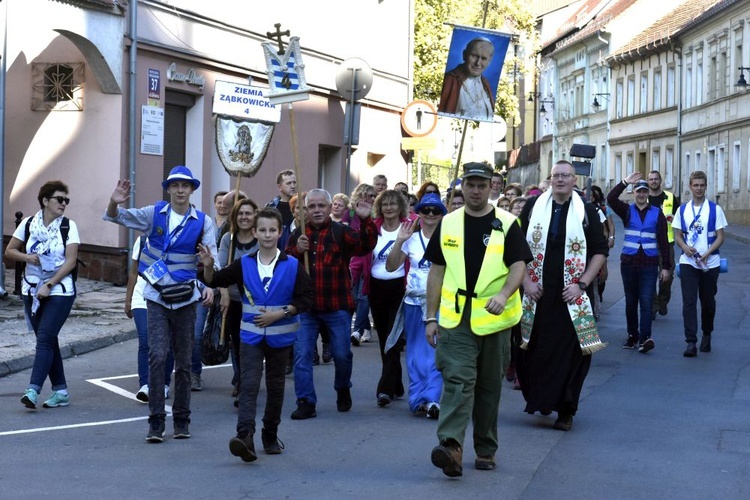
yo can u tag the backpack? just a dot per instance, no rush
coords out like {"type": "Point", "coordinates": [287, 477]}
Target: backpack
{"type": "Point", "coordinates": [64, 232]}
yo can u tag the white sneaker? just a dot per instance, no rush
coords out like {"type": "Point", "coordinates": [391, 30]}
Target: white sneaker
{"type": "Point", "coordinates": [166, 392]}
{"type": "Point", "coordinates": [356, 338]}
{"type": "Point", "coordinates": [142, 394]}
{"type": "Point", "coordinates": [366, 336]}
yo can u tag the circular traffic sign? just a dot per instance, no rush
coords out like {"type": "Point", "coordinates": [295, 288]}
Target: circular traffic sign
{"type": "Point", "coordinates": [354, 77]}
{"type": "Point", "coordinates": [419, 118]}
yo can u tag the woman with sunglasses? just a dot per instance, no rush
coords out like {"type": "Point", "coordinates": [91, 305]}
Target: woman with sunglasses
{"type": "Point", "coordinates": [48, 289]}
{"type": "Point", "coordinates": [385, 289]}
{"type": "Point", "coordinates": [425, 382]}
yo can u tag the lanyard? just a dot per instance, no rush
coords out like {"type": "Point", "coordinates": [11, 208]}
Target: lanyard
{"type": "Point", "coordinates": [696, 217]}
{"type": "Point", "coordinates": [176, 231]}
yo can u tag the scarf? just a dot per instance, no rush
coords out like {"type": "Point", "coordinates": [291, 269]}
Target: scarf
{"type": "Point", "coordinates": [46, 237]}
{"type": "Point", "coordinates": [580, 312]}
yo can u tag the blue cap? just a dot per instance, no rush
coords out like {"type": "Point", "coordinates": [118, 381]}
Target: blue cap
{"type": "Point", "coordinates": [181, 173]}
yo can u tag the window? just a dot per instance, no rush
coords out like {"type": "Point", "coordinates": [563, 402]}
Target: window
{"type": "Point", "coordinates": [736, 155]}
{"type": "Point", "coordinates": [711, 172]}
{"type": "Point", "coordinates": [655, 160]}
{"type": "Point", "coordinates": [697, 164]}
{"type": "Point", "coordinates": [631, 95]}
{"type": "Point", "coordinates": [657, 89]}
{"type": "Point", "coordinates": [619, 98]}
{"type": "Point", "coordinates": [57, 86]}
{"type": "Point", "coordinates": [721, 178]}
{"type": "Point", "coordinates": [629, 166]}
{"type": "Point", "coordinates": [644, 93]}
{"type": "Point", "coordinates": [668, 167]}
{"type": "Point", "coordinates": [713, 76]}
{"type": "Point", "coordinates": [618, 167]}
{"type": "Point", "coordinates": [670, 86]}
{"type": "Point", "coordinates": [689, 87]}
{"type": "Point", "coordinates": [699, 84]}
{"type": "Point", "coordinates": [603, 162]}
{"type": "Point", "coordinates": [687, 163]}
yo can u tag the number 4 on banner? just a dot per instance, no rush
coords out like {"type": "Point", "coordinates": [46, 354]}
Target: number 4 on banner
{"type": "Point", "coordinates": [285, 69]}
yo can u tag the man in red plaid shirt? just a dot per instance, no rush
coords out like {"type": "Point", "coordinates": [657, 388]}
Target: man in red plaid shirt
{"type": "Point", "coordinates": [329, 246]}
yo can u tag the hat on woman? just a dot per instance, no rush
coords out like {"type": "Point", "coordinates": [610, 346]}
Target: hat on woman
{"type": "Point", "coordinates": [181, 173]}
{"type": "Point", "coordinates": [430, 200]}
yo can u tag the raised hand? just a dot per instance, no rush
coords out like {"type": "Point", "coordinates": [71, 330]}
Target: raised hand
{"type": "Point", "coordinates": [121, 193]}
{"type": "Point", "coordinates": [406, 229]}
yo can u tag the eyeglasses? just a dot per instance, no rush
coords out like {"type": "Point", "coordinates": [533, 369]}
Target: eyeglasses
{"type": "Point", "coordinates": [60, 199]}
{"type": "Point", "coordinates": [431, 211]}
{"type": "Point", "coordinates": [562, 176]}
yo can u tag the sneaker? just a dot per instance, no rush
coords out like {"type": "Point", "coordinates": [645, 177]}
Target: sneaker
{"type": "Point", "coordinates": [630, 343]}
{"type": "Point", "coordinates": [56, 400]}
{"type": "Point", "coordinates": [485, 462]}
{"type": "Point", "coordinates": [433, 410]}
{"type": "Point", "coordinates": [272, 445]}
{"type": "Point", "coordinates": [196, 384]}
{"type": "Point", "coordinates": [305, 409]}
{"type": "Point", "coordinates": [29, 399]}
{"type": "Point", "coordinates": [142, 394]}
{"type": "Point", "coordinates": [327, 354]}
{"type": "Point", "coordinates": [356, 338]}
{"type": "Point", "coordinates": [366, 336]}
{"type": "Point", "coordinates": [448, 456]}
{"type": "Point", "coordinates": [155, 430]}
{"type": "Point", "coordinates": [690, 351]}
{"type": "Point", "coordinates": [383, 400]}
{"type": "Point", "coordinates": [705, 343]}
{"type": "Point", "coordinates": [344, 400]}
{"type": "Point", "coordinates": [646, 346]}
{"type": "Point", "coordinates": [243, 447]}
{"type": "Point", "coordinates": [181, 429]}
{"type": "Point", "coordinates": [166, 392]}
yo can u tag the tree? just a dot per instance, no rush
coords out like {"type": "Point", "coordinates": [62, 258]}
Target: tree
{"type": "Point", "coordinates": [432, 40]}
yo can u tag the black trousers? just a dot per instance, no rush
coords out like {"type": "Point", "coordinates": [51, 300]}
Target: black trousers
{"type": "Point", "coordinates": [385, 298]}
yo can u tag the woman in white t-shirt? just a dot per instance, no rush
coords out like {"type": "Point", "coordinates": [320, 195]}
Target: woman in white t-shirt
{"type": "Point", "coordinates": [425, 381]}
{"type": "Point", "coordinates": [385, 289]}
{"type": "Point", "coordinates": [48, 288]}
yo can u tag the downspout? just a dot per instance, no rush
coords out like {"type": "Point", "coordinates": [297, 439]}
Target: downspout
{"type": "Point", "coordinates": [132, 112]}
{"type": "Point", "coordinates": [678, 156]}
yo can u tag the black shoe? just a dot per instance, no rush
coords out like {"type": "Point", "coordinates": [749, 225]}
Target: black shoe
{"type": "Point", "coordinates": [272, 445]}
{"type": "Point", "coordinates": [155, 430]}
{"type": "Point", "coordinates": [305, 409]}
{"type": "Point", "coordinates": [344, 400]}
{"type": "Point", "coordinates": [447, 456]}
{"type": "Point", "coordinates": [181, 429]}
{"type": "Point", "coordinates": [706, 343]}
{"type": "Point", "coordinates": [316, 357]}
{"type": "Point", "coordinates": [647, 345]}
{"type": "Point", "coordinates": [663, 310]}
{"type": "Point", "coordinates": [690, 351]}
{"type": "Point", "coordinates": [243, 447]}
{"type": "Point", "coordinates": [564, 422]}
{"type": "Point", "coordinates": [630, 343]}
{"type": "Point", "coordinates": [327, 354]}
{"type": "Point", "coordinates": [384, 400]}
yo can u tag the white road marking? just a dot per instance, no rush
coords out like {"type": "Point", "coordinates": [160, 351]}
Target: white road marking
{"type": "Point", "coordinates": [101, 382]}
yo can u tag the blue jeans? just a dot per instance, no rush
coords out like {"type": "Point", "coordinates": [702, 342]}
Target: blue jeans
{"type": "Point", "coordinates": [362, 319]}
{"type": "Point", "coordinates": [169, 330]}
{"type": "Point", "coordinates": [140, 318]}
{"type": "Point", "coordinates": [695, 285]}
{"type": "Point", "coordinates": [47, 323]}
{"type": "Point", "coordinates": [339, 324]}
{"type": "Point", "coordinates": [639, 284]}
{"type": "Point", "coordinates": [201, 313]}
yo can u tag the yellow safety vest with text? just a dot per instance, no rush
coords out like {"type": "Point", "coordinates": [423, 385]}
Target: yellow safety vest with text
{"type": "Point", "coordinates": [492, 276]}
{"type": "Point", "coordinates": [668, 208]}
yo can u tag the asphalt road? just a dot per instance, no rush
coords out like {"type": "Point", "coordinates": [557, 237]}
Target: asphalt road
{"type": "Point", "coordinates": [649, 426]}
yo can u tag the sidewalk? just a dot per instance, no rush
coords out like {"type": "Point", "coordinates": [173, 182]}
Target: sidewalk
{"type": "Point", "coordinates": [97, 319]}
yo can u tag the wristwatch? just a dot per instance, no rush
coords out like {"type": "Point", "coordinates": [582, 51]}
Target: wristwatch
{"type": "Point", "coordinates": [287, 312]}
{"type": "Point", "coordinates": [583, 285]}
{"type": "Point", "coordinates": [50, 285]}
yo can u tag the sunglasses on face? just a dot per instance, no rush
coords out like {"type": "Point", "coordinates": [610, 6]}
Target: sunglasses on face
{"type": "Point", "coordinates": [60, 199]}
{"type": "Point", "coordinates": [431, 211]}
